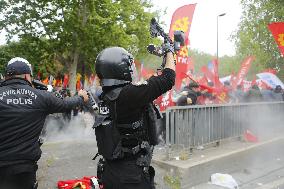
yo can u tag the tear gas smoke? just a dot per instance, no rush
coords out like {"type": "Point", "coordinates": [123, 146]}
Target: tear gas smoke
{"type": "Point", "coordinates": [78, 128]}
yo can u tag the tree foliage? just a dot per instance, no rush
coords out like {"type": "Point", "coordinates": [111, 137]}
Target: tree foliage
{"type": "Point", "coordinates": [227, 64]}
{"type": "Point", "coordinates": [253, 36]}
{"type": "Point", "coordinates": [74, 31]}
{"type": "Point", "coordinates": [32, 50]}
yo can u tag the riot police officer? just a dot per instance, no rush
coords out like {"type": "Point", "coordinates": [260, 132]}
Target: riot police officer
{"type": "Point", "coordinates": [125, 127]}
{"type": "Point", "coordinates": [23, 110]}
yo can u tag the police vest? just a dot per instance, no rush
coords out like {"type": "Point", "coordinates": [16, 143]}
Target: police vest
{"type": "Point", "coordinates": [116, 141]}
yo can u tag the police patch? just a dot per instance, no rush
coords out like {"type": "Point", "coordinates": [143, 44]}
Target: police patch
{"type": "Point", "coordinates": [139, 83]}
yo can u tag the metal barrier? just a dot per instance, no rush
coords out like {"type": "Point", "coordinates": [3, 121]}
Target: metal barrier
{"type": "Point", "coordinates": [192, 126]}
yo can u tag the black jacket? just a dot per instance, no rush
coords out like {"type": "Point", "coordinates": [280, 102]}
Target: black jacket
{"type": "Point", "coordinates": [133, 98]}
{"type": "Point", "coordinates": [23, 110]}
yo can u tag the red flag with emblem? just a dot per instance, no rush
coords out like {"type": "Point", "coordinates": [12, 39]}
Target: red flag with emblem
{"type": "Point", "coordinates": [165, 101]}
{"type": "Point", "coordinates": [277, 30]}
{"type": "Point", "coordinates": [181, 20]}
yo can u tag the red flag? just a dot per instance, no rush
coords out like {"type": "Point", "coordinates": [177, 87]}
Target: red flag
{"type": "Point", "coordinates": [243, 71]}
{"type": "Point", "coordinates": [84, 182]}
{"type": "Point", "coordinates": [249, 137]}
{"type": "Point", "coordinates": [277, 30]}
{"type": "Point", "coordinates": [165, 101]}
{"type": "Point", "coordinates": [253, 82]}
{"type": "Point", "coordinates": [79, 84]}
{"type": "Point", "coordinates": [208, 74]}
{"type": "Point", "coordinates": [203, 81]}
{"type": "Point", "coordinates": [65, 80]}
{"type": "Point", "coordinates": [146, 73]}
{"type": "Point", "coordinates": [217, 82]}
{"type": "Point", "coordinates": [45, 81]}
{"type": "Point", "coordinates": [58, 82]}
{"type": "Point", "coordinates": [181, 20]}
{"type": "Point", "coordinates": [92, 79]}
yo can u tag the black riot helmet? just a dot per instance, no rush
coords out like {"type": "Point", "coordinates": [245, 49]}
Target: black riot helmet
{"type": "Point", "coordinates": [115, 66]}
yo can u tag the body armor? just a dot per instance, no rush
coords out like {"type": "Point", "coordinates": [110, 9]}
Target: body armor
{"type": "Point", "coordinates": [117, 141]}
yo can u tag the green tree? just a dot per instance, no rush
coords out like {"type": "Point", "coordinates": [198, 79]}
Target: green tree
{"type": "Point", "coordinates": [227, 64]}
{"type": "Point", "coordinates": [253, 36]}
{"type": "Point", "coordinates": [32, 50]}
{"type": "Point", "coordinates": [75, 31]}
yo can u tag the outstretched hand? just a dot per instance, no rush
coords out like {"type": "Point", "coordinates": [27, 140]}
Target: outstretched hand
{"type": "Point", "coordinates": [84, 94]}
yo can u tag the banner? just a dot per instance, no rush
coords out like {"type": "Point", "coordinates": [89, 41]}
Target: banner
{"type": "Point", "coordinates": [270, 79]}
{"type": "Point", "coordinates": [181, 20]}
{"type": "Point", "coordinates": [277, 30]}
{"type": "Point", "coordinates": [243, 71]}
{"type": "Point", "coordinates": [165, 101]}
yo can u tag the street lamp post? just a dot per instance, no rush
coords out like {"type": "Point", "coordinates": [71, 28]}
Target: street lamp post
{"type": "Point", "coordinates": [218, 33]}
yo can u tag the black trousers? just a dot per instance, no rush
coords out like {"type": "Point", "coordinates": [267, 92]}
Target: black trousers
{"type": "Point", "coordinates": [18, 179]}
{"type": "Point", "coordinates": [126, 175]}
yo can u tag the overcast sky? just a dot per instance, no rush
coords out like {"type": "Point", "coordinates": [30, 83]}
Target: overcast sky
{"type": "Point", "coordinates": [203, 29]}
{"type": "Point", "coordinates": [203, 32]}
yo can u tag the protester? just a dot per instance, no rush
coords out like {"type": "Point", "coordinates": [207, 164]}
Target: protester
{"type": "Point", "coordinates": [278, 93]}
{"type": "Point", "coordinates": [23, 110]}
{"type": "Point", "coordinates": [189, 95]}
{"type": "Point", "coordinates": [238, 95]}
{"type": "Point", "coordinates": [253, 95]}
{"type": "Point", "coordinates": [68, 114]}
{"type": "Point", "coordinates": [267, 95]}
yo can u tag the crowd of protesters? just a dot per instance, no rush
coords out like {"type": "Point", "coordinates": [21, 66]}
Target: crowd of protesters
{"type": "Point", "coordinates": [193, 94]}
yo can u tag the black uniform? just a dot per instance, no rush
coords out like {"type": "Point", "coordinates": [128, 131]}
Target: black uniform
{"type": "Point", "coordinates": [130, 105]}
{"type": "Point", "coordinates": [23, 110]}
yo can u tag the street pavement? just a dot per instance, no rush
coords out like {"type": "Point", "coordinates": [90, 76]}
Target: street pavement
{"type": "Point", "coordinates": [67, 154]}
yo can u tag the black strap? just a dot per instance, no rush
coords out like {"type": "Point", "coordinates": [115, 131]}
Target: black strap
{"type": "Point", "coordinates": [134, 125]}
{"type": "Point", "coordinates": [97, 155]}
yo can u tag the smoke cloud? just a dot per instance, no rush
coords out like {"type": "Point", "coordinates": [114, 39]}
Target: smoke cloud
{"type": "Point", "coordinates": [78, 128]}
